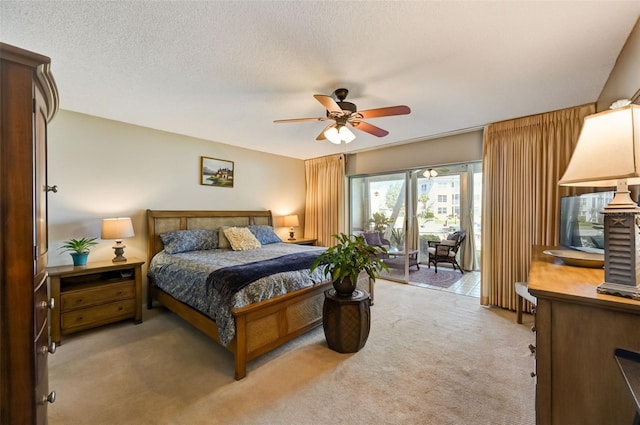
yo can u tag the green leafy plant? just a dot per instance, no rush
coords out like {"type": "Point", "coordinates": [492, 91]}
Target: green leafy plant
{"type": "Point", "coordinates": [349, 257]}
{"type": "Point", "coordinates": [380, 221]}
{"type": "Point", "coordinates": [397, 236]}
{"type": "Point", "coordinates": [78, 245]}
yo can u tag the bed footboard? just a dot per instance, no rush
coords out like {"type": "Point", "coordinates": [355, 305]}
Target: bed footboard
{"type": "Point", "coordinates": [264, 326]}
{"type": "Point", "coordinates": [260, 327]}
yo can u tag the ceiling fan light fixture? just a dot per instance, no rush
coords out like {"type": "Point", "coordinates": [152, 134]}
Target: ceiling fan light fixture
{"type": "Point", "coordinates": [346, 113]}
{"type": "Point", "coordinates": [339, 134]}
{"type": "Point", "coordinates": [332, 135]}
{"type": "Point", "coordinates": [430, 173]}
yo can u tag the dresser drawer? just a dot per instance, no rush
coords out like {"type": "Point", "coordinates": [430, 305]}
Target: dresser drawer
{"type": "Point", "coordinates": [42, 353]}
{"type": "Point", "coordinates": [41, 391]}
{"type": "Point", "coordinates": [93, 316]}
{"type": "Point", "coordinates": [87, 297]}
{"type": "Point", "coordinates": [42, 306]}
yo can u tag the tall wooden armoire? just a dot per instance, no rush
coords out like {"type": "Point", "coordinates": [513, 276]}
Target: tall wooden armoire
{"type": "Point", "coordinates": [28, 101]}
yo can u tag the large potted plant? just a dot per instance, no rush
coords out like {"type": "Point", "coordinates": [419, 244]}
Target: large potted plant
{"type": "Point", "coordinates": [344, 261]}
{"type": "Point", "coordinates": [79, 249]}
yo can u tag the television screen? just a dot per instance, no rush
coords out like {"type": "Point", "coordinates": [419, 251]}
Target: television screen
{"type": "Point", "coordinates": [581, 221]}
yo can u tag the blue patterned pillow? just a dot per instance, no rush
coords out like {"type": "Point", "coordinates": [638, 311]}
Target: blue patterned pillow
{"type": "Point", "coordinates": [189, 240]}
{"type": "Point", "coordinates": [264, 234]}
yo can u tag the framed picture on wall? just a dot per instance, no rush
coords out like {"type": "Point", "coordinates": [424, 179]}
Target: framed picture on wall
{"type": "Point", "coordinates": [216, 172]}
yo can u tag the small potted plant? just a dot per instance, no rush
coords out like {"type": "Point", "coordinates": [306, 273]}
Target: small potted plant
{"type": "Point", "coordinates": [347, 259]}
{"type": "Point", "coordinates": [79, 249]}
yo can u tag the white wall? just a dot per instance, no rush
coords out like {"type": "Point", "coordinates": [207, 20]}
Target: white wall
{"type": "Point", "coordinates": [107, 168]}
{"type": "Point", "coordinates": [624, 80]}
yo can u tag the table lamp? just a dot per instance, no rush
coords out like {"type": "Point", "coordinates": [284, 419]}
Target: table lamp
{"type": "Point", "coordinates": [291, 221]}
{"type": "Point", "coordinates": [118, 229]}
{"type": "Point", "coordinates": [608, 154]}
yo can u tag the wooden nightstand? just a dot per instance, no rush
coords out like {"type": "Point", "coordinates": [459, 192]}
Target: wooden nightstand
{"type": "Point", "coordinates": [302, 241]}
{"type": "Point", "coordinates": [96, 294]}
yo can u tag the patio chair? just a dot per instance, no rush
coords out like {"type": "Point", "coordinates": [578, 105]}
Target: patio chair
{"type": "Point", "coordinates": [376, 239]}
{"type": "Point", "coordinates": [445, 251]}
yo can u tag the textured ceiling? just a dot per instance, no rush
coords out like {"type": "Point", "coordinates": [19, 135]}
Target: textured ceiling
{"type": "Point", "coordinates": [223, 71]}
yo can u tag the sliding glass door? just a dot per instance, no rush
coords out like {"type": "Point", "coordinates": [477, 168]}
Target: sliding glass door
{"type": "Point", "coordinates": [408, 209]}
{"type": "Point", "coordinates": [381, 205]}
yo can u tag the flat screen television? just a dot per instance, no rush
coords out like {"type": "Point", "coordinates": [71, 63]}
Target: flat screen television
{"type": "Point", "coordinates": [581, 221]}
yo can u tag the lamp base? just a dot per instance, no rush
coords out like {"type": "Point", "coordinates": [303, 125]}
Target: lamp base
{"type": "Point", "coordinates": [618, 289]}
{"type": "Point", "coordinates": [621, 253]}
{"type": "Point", "coordinates": [119, 250]}
{"type": "Point", "coordinates": [622, 202]}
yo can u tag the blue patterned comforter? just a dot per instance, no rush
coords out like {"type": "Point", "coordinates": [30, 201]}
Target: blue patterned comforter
{"type": "Point", "coordinates": [184, 276]}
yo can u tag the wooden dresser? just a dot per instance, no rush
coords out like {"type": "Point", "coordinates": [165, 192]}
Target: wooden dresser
{"type": "Point", "coordinates": [29, 100]}
{"type": "Point", "coordinates": [577, 330]}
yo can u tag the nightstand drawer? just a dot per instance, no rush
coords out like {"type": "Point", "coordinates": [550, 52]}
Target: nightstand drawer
{"type": "Point", "coordinates": [72, 300]}
{"type": "Point", "coordinates": [94, 316]}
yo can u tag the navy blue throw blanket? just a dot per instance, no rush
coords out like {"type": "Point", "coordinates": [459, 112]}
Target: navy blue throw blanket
{"type": "Point", "coordinates": [229, 280]}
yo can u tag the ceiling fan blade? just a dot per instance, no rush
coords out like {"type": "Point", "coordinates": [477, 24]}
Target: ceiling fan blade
{"type": "Point", "coordinates": [328, 102]}
{"type": "Point", "coordinates": [385, 112]}
{"type": "Point", "coordinates": [321, 135]}
{"type": "Point", "coordinates": [302, 120]}
{"type": "Point", "coordinates": [371, 129]}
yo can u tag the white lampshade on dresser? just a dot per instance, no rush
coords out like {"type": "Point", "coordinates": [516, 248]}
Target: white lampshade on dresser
{"type": "Point", "coordinates": [117, 228]}
{"type": "Point", "coordinates": [291, 221]}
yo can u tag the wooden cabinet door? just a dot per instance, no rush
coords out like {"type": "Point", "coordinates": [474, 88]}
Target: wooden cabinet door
{"type": "Point", "coordinates": [40, 251]}
{"type": "Point", "coordinates": [40, 187]}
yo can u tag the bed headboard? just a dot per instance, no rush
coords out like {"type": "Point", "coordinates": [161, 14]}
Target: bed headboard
{"type": "Point", "coordinates": [159, 222]}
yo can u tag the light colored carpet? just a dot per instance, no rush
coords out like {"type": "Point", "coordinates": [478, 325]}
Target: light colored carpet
{"type": "Point", "coordinates": [432, 357]}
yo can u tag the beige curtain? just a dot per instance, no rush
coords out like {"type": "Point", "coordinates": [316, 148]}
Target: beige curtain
{"type": "Point", "coordinates": [468, 248]}
{"type": "Point", "coordinates": [523, 160]}
{"type": "Point", "coordinates": [324, 209]}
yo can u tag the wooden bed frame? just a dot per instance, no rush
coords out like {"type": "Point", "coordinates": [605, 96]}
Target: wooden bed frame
{"type": "Point", "coordinates": [260, 327]}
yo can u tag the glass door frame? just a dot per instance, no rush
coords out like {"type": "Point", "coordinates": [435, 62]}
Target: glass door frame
{"type": "Point", "coordinates": [408, 185]}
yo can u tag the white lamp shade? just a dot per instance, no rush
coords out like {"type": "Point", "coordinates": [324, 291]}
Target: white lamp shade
{"type": "Point", "coordinates": [608, 150]}
{"type": "Point", "coordinates": [291, 221]}
{"type": "Point", "coordinates": [117, 228]}
{"type": "Point", "coordinates": [339, 134]}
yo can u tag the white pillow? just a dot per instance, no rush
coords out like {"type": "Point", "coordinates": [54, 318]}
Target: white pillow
{"type": "Point", "coordinates": [241, 238]}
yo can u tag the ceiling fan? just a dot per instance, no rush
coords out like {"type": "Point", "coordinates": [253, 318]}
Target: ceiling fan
{"type": "Point", "coordinates": [345, 114]}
